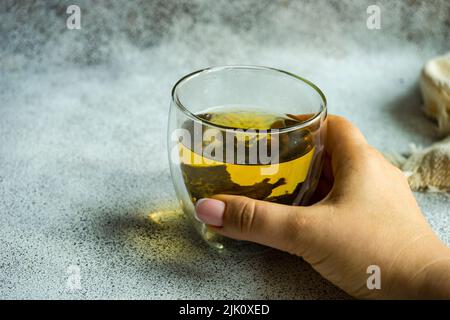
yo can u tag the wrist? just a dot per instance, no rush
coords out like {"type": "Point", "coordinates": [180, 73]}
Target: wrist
{"type": "Point", "coordinates": [435, 279]}
{"type": "Point", "coordinates": [423, 272]}
{"type": "Point", "coordinates": [431, 277]}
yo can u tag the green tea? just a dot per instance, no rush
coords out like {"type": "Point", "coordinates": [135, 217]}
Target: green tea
{"type": "Point", "coordinates": [205, 176]}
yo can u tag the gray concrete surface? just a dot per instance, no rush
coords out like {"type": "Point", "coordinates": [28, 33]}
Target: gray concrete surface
{"type": "Point", "coordinates": [83, 169]}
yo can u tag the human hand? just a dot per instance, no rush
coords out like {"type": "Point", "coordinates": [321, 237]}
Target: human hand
{"type": "Point", "coordinates": [365, 215]}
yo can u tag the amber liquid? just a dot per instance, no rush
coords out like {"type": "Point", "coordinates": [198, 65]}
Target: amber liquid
{"type": "Point", "coordinates": [205, 177]}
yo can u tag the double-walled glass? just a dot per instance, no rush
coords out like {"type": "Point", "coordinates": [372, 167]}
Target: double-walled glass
{"type": "Point", "coordinates": [244, 130]}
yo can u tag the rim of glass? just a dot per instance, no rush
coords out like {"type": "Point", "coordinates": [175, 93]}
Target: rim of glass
{"type": "Point", "coordinates": [197, 73]}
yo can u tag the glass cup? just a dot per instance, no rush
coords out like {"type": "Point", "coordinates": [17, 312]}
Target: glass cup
{"type": "Point", "coordinates": [245, 130]}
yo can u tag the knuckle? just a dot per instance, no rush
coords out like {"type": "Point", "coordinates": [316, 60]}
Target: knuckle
{"type": "Point", "coordinates": [245, 216]}
{"type": "Point", "coordinates": [301, 225]}
{"type": "Point", "coordinates": [374, 152]}
{"type": "Point", "coordinates": [369, 158]}
{"type": "Point", "coordinates": [361, 161]}
{"type": "Point", "coordinates": [371, 153]}
{"type": "Point", "coordinates": [301, 233]}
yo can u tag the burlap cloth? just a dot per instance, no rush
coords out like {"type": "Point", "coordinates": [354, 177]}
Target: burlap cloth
{"type": "Point", "coordinates": [429, 169]}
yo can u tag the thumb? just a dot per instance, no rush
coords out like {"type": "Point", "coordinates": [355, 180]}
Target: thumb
{"type": "Point", "coordinates": [287, 228]}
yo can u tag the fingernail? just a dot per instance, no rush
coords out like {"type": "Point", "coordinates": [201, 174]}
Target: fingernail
{"type": "Point", "coordinates": [210, 211]}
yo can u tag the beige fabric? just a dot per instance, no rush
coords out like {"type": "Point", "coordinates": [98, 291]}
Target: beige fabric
{"type": "Point", "coordinates": [429, 169]}
{"type": "Point", "coordinates": [435, 87]}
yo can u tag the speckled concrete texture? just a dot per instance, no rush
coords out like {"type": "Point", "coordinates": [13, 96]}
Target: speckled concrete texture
{"type": "Point", "coordinates": [84, 177]}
